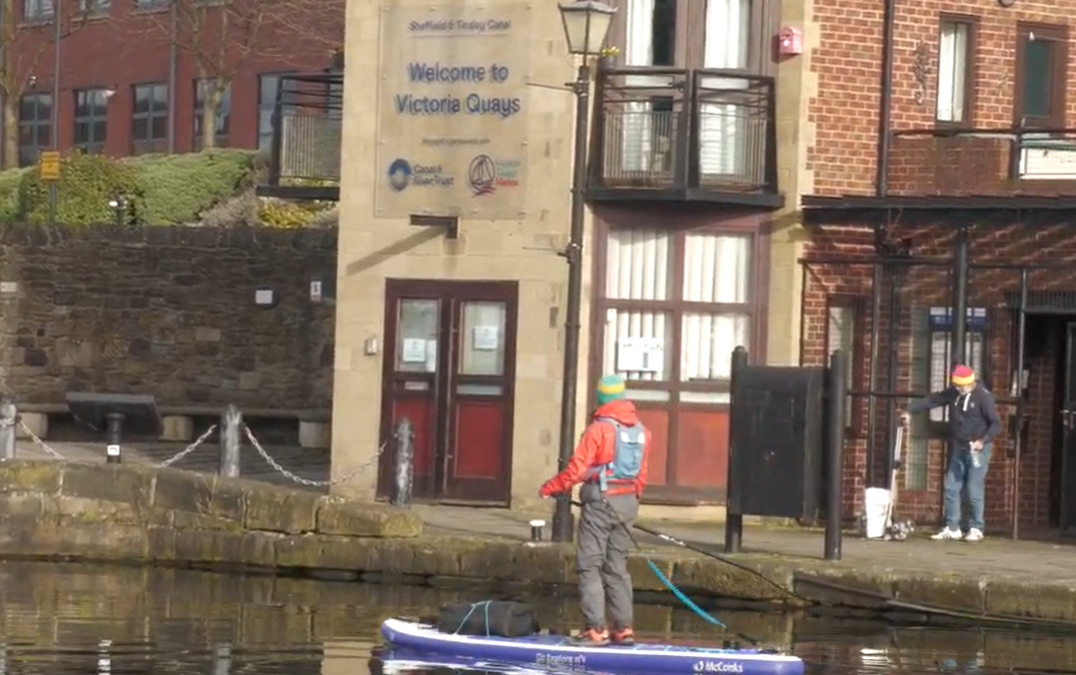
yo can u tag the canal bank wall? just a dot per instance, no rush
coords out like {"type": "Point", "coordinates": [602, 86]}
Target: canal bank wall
{"type": "Point", "coordinates": [144, 515]}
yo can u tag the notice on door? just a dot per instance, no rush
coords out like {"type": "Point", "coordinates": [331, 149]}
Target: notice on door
{"type": "Point", "coordinates": [414, 351]}
{"type": "Point", "coordinates": [453, 109]}
{"type": "Point", "coordinates": [640, 355]}
{"type": "Point", "coordinates": [486, 338]}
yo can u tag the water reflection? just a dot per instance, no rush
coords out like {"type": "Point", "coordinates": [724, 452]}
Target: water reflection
{"type": "Point", "coordinates": [64, 619]}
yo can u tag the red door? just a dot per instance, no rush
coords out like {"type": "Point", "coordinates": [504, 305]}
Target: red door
{"type": "Point", "coordinates": [449, 367]}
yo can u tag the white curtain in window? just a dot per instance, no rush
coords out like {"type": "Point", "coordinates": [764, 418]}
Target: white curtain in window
{"type": "Point", "coordinates": [716, 270]}
{"type": "Point", "coordinates": [635, 124]}
{"type": "Point", "coordinates": [638, 265]}
{"type": "Point", "coordinates": [952, 71]}
{"type": "Point", "coordinates": [722, 125]}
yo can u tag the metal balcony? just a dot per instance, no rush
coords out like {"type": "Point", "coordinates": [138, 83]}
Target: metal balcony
{"type": "Point", "coordinates": [304, 160]}
{"type": "Point", "coordinates": [669, 134]}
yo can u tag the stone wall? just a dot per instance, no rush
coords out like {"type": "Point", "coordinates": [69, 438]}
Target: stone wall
{"type": "Point", "coordinates": [167, 311]}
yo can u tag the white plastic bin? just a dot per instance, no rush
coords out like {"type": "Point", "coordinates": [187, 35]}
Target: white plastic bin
{"type": "Point", "coordinates": [875, 508]}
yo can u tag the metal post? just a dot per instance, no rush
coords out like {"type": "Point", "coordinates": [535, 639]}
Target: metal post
{"type": "Point", "coordinates": [838, 394]}
{"type": "Point", "coordinates": [960, 296]}
{"type": "Point", "coordinates": [231, 421]}
{"type": "Point", "coordinates": [113, 453]}
{"type": "Point", "coordinates": [892, 348]}
{"type": "Point", "coordinates": [563, 525]}
{"type": "Point", "coordinates": [8, 421]}
{"type": "Point", "coordinates": [405, 464]}
{"type": "Point", "coordinates": [872, 370]}
{"type": "Point", "coordinates": [173, 60]}
{"type": "Point", "coordinates": [1017, 444]}
{"type": "Point", "coordinates": [57, 16]}
{"type": "Point", "coordinates": [104, 658]}
{"type": "Point", "coordinates": [733, 514]}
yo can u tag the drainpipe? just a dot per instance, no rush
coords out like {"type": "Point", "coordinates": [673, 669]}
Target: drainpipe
{"type": "Point", "coordinates": [173, 58]}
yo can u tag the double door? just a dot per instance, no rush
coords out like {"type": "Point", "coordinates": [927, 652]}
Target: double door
{"type": "Point", "coordinates": [449, 368]}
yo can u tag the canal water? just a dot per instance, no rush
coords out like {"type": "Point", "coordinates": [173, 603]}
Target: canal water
{"type": "Point", "coordinates": [61, 619]}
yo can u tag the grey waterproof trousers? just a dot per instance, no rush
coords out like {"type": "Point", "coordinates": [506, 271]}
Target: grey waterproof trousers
{"type": "Point", "coordinates": [603, 543]}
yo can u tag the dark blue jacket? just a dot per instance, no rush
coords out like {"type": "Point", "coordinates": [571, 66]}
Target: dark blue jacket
{"type": "Point", "coordinates": [972, 417]}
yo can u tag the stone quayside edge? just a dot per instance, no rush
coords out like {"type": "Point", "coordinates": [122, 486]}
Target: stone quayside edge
{"type": "Point", "coordinates": [126, 513]}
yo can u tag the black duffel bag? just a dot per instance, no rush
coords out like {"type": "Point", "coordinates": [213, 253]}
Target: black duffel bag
{"type": "Point", "coordinates": [503, 618]}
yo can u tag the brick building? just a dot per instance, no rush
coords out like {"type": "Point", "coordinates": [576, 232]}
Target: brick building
{"type": "Point", "coordinates": [976, 151]}
{"type": "Point", "coordinates": [124, 90]}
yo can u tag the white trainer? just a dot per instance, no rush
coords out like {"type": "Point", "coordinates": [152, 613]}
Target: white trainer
{"type": "Point", "coordinates": [974, 534]}
{"type": "Point", "coordinates": [947, 534]}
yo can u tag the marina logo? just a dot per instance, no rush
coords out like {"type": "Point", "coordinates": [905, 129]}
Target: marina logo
{"type": "Point", "coordinates": [399, 174]}
{"type": "Point", "coordinates": [485, 174]}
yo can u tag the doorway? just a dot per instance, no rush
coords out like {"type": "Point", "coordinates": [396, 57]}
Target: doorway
{"type": "Point", "coordinates": [449, 367]}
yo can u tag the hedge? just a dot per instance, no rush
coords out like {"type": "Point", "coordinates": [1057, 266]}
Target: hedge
{"type": "Point", "coordinates": [160, 189]}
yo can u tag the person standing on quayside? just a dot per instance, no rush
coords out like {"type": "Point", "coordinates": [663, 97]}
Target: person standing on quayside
{"type": "Point", "coordinates": [973, 425]}
{"type": "Point", "coordinates": [610, 461]}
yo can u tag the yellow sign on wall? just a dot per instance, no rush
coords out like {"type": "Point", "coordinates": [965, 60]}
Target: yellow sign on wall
{"type": "Point", "coordinates": [49, 165]}
{"type": "Point", "coordinates": [453, 110]}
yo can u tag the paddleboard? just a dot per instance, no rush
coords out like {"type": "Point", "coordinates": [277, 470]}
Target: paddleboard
{"type": "Point", "coordinates": [556, 652]}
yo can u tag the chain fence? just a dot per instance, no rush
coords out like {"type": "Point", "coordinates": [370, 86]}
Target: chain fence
{"type": "Point", "coordinates": [273, 463]}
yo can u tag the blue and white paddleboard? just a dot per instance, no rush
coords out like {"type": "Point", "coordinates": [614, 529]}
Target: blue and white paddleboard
{"type": "Point", "coordinates": [414, 641]}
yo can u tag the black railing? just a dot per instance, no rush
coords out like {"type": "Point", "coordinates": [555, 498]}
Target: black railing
{"type": "Point", "coordinates": [306, 128]}
{"type": "Point", "coordinates": [705, 129]}
{"type": "Point", "coordinates": [984, 161]}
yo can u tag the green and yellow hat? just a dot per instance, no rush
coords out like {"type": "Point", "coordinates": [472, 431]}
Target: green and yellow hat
{"type": "Point", "coordinates": [611, 388]}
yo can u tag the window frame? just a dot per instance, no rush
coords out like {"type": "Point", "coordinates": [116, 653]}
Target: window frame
{"type": "Point", "coordinates": [94, 146]}
{"type": "Point", "coordinates": [142, 146]}
{"type": "Point", "coordinates": [33, 11]}
{"type": "Point", "coordinates": [221, 139]}
{"type": "Point", "coordinates": [1059, 35]}
{"type": "Point", "coordinates": [95, 8]}
{"type": "Point", "coordinates": [856, 358]}
{"type": "Point", "coordinates": [35, 124]}
{"type": "Point", "coordinates": [970, 68]}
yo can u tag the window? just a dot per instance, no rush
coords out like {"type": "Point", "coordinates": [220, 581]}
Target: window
{"type": "Point", "coordinates": [37, 10]}
{"type": "Point", "coordinates": [35, 126]}
{"type": "Point", "coordinates": [842, 331]}
{"type": "Point", "coordinates": [150, 4]}
{"type": "Point", "coordinates": [149, 118]}
{"type": "Point", "coordinates": [268, 85]}
{"type": "Point", "coordinates": [95, 7]}
{"type": "Point", "coordinates": [1041, 65]}
{"type": "Point", "coordinates": [223, 116]}
{"type": "Point", "coordinates": [91, 119]}
{"type": "Point", "coordinates": [956, 70]}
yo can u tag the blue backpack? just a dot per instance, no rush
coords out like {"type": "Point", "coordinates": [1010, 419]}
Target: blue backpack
{"type": "Point", "coordinates": [628, 454]}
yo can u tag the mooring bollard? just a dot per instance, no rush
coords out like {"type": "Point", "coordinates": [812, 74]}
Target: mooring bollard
{"type": "Point", "coordinates": [231, 420]}
{"type": "Point", "coordinates": [8, 414]}
{"type": "Point", "coordinates": [222, 659]}
{"type": "Point", "coordinates": [405, 456]}
{"type": "Point", "coordinates": [113, 451]}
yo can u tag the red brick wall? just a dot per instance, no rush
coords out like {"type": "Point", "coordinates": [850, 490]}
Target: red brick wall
{"type": "Point", "coordinates": [924, 286]}
{"type": "Point", "coordinates": [848, 62]}
{"type": "Point", "coordinates": [131, 47]}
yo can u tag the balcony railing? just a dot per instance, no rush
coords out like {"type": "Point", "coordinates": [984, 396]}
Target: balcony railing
{"type": "Point", "coordinates": [688, 131]}
{"type": "Point", "coordinates": [305, 156]}
{"type": "Point", "coordinates": [993, 162]}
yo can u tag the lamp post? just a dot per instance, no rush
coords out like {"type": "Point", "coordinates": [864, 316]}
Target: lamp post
{"type": "Point", "coordinates": [586, 23]}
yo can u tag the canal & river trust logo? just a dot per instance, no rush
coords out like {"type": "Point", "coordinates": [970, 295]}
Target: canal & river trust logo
{"type": "Point", "coordinates": [399, 174]}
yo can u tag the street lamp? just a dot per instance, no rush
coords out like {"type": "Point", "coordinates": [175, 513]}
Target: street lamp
{"type": "Point", "coordinates": [586, 23]}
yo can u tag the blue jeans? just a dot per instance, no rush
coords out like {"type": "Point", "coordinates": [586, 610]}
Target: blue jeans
{"type": "Point", "coordinates": [962, 473]}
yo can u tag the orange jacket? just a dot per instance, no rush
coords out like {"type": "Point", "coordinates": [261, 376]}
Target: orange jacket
{"type": "Point", "coordinates": [596, 448]}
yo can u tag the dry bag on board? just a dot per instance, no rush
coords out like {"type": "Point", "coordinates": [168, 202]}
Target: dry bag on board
{"type": "Point", "coordinates": [503, 618]}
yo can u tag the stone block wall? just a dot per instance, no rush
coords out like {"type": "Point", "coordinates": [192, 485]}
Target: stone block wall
{"type": "Point", "coordinates": [167, 311]}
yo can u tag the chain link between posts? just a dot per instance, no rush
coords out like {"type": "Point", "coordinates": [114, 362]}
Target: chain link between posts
{"type": "Point", "coordinates": [190, 448]}
{"type": "Point", "coordinates": [306, 481]}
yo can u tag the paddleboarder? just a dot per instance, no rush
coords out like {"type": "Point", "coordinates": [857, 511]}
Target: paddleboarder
{"type": "Point", "coordinates": [610, 462]}
{"type": "Point", "coordinates": [973, 425]}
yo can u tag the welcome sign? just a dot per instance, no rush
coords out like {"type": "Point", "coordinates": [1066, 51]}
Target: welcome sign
{"type": "Point", "coordinates": [453, 110]}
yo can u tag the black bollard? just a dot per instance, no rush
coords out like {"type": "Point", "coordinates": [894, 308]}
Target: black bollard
{"type": "Point", "coordinates": [405, 459]}
{"type": "Point", "coordinates": [113, 451]}
{"type": "Point", "coordinates": [733, 515]}
{"type": "Point", "coordinates": [837, 394]}
{"type": "Point", "coordinates": [8, 415]}
{"type": "Point", "coordinates": [231, 421]}
{"type": "Point", "coordinates": [536, 530]}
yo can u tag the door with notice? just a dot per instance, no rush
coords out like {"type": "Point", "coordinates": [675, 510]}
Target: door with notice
{"type": "Point", "coordinates": [449, 368]}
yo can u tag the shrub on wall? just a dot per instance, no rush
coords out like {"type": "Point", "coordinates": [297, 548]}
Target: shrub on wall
{"type": "Point", "coordinates": [87, 184]}
{"type": "Point", "coordinates": [178, 188]}
{"type": "Point", "coordinates": [9, 193]}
